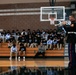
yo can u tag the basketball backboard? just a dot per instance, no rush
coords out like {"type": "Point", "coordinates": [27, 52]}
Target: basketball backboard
{"type": "Point", "coordinates": [52, 13]}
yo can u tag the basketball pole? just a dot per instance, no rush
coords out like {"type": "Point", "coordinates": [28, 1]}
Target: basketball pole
{"type": "Point", "coordinates": [52, 2]}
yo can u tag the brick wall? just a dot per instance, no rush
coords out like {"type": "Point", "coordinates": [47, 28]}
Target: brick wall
{"type": "Point", "coordinates": [23, 22]}
{"type": "Point", "coordinates": [27, 21]}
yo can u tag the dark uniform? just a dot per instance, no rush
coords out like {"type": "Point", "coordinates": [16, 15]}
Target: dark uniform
{"type": "Point", "coordinates": [19, 39]}
{"type": "Point", "coordinates": [23, 39]}
{"type": "Point", "coordinates": [71, 36]}
{"type": "Point", "coordinates": [30, 40]}
{"type": "Point", "coordinates": [22, 50]}
{"type": "Point", "coordinates": [38, 39]}
{"type": "Point", "coordinates": [22, 47]}
{"type": "Point", "coordinates": [71, 40]}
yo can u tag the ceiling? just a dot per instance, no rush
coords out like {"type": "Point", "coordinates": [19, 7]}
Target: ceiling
{"type": "Point", "coordinates": [29, 1]}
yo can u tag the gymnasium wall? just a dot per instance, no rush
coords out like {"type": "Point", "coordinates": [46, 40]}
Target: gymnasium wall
{"type": "Point", "coordinates": [25, 21]}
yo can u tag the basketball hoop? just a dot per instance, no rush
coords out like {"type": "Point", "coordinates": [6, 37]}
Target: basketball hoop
{"type": "Point", "coordinates": [52, 20]}
{"type": "Point", "coordinates": [54, 14]}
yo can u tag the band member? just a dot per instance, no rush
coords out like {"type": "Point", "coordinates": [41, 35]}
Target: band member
{"type": "Point", "coordinates": [71, 40]}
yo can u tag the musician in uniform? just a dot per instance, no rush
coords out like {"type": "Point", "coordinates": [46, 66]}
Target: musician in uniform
{"type": "Point", "coordinates": [71, 40]}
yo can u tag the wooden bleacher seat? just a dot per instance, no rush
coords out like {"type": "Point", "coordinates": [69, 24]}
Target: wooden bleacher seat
{"type": "Point", "coordinates": [30, 52]}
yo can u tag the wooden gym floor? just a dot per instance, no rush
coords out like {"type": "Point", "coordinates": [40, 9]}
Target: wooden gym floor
{"type": "Point", "coordinates": [52, 62]}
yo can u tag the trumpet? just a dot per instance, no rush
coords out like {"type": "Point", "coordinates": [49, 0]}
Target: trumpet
{"type": "Point", "coordinates": [61, 23]}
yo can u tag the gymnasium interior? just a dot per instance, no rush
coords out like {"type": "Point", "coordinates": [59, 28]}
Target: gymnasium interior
{"type": "Point", "coordinates": [23, 17]}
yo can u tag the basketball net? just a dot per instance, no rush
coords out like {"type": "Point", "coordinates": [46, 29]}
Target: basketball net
{"type": "Point", "coordinates": [52, 21]}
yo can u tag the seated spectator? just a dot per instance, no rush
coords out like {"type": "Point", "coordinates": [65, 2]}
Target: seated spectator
{"type": "Point", "coordinates": [12, 38]}
{"type": "Point", "coordinates": [13, 33]}
{"type": "Point", "coordinates": [38, 32]}
{"type": "Point", "coordinates": [33, 33]}
{"type": "Point", "coordinates": [38, 39]}
{"type": "Point", "coordinates": [41, 50]}
{"type": "Point", "coordinates": [3, 37]}
{"type": "Point", "coordinates": [49, 44]}
{"type": "Point", "coordinates": [19, 39]}
{"type": "Point", "coordinates": [1, 40]}
{"type": "Point", "coordinates": [22, 50]}
{"type": "Point", "coordinates": [17, 35]}
{"type": "Point", "coordinates": [30, 42]}
{"type": "Point", "coordinates": [60, 42]}
{"type": "Point", "coordinates": [35, 41]}
{"type": "Point", "coordinates": [23, 32]}
{"type": "Point", "coordinates": [7, 37]}
{"type": "Point", "coordinates": [28, 32]}
{"type": "Point", "coordinates": [44, 43]}
{"type": "Point", "coordinates": [23, 40]}
{"type": "Point", "coordinates": [10, 41]}
{"type": "Point", "coordinates": [9, 44]}
{"type": "Point", "coordinates": [44, 35]}
{"type": "Point", "coordinates": [54, 43]}
{"type": "Point", "coordinates": [8, 31]}
{"type": "Point", "coordinates": [13, 50]}
{"type": "Point", "coordinates": [50, 36]}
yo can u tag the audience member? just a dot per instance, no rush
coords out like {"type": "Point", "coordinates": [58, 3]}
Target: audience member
{"type": "Point", "coordinates": [13, 50]}
{"type": "Point", "coordinates": [41, 50]}
{"type": "Point", "coordinates": [22, 50]}
{"type": "Point", "coordinates": [51, 39]}
{"type": "Point", "coordinates": [49, 44]}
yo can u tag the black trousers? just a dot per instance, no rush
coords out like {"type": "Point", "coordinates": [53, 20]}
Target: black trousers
{"type": "Point", "coordinates": [40, 53]}
{"type": "Point", "coordinates": [72, 55]}
{"type": "Point", "coordinates": [72, 71]}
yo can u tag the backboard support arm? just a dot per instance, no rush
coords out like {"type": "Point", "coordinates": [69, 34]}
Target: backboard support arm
{"type": "Point", "coordinates": [52, 2]}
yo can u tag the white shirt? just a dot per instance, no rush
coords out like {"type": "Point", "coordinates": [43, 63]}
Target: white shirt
{"type": "Point", "coordinates": [13, 49]}
{"type": "Point", "coordinates": [44, 36]}
{"type": "Point", "coordinates": [23, 32]}
{"type": "Point", "coordinates": [55, 42]}
{"type": "Point", "coordinates": [7, 36]}
{"type": "Point", "coordinates": [49, 42]}
{"type": "Point", "coordinates": [2, 36]}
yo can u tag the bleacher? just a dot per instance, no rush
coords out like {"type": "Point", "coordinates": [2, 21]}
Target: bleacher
{"type": "Point", "coordinates": [30, 52]}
